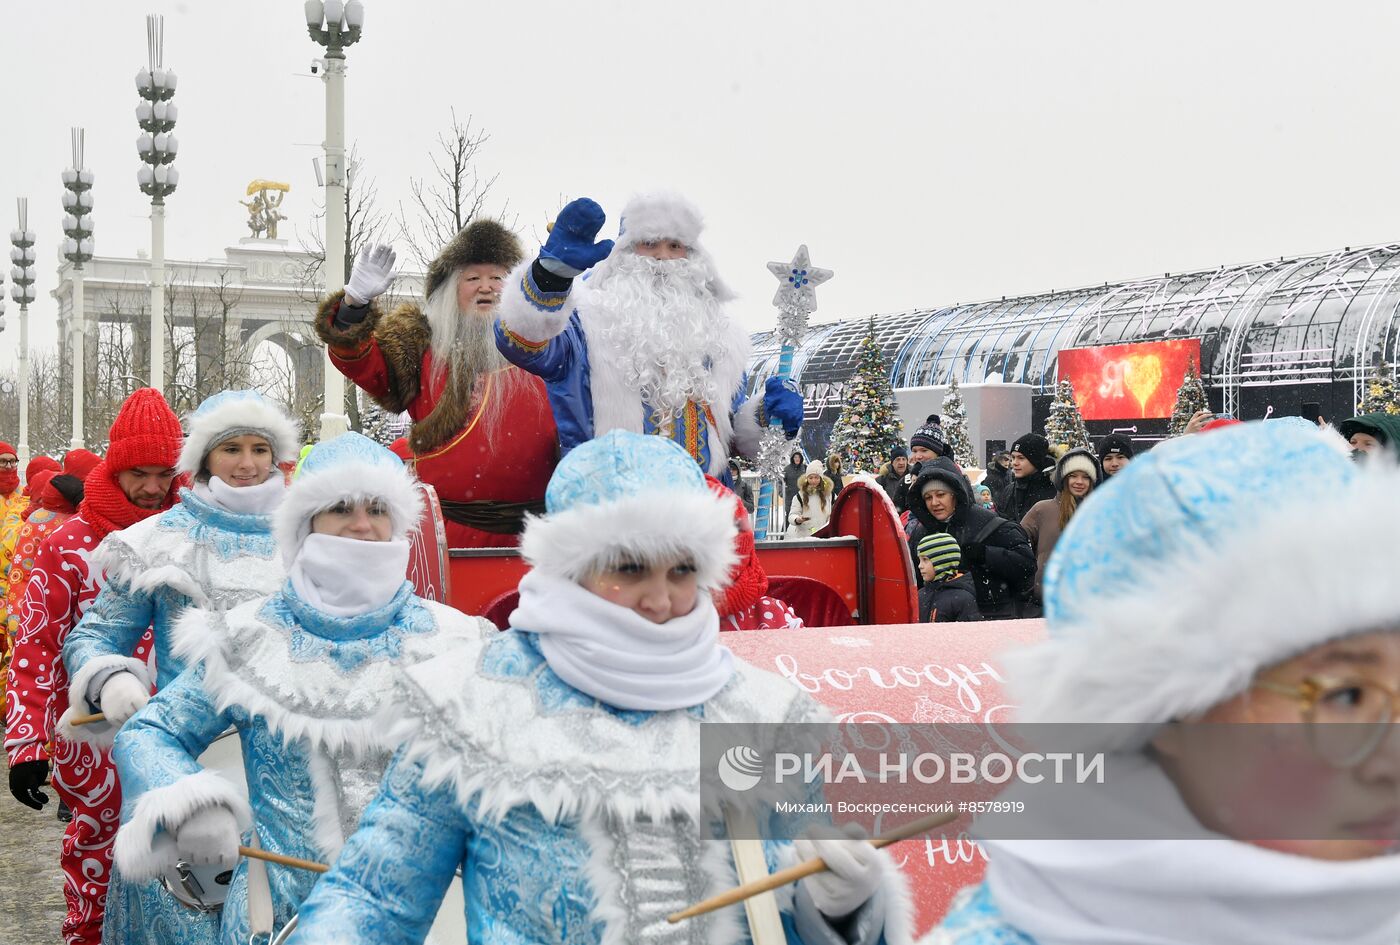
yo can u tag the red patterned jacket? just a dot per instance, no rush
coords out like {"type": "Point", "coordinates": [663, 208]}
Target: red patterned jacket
{"type": "Point", "coordinates": [60, 588]}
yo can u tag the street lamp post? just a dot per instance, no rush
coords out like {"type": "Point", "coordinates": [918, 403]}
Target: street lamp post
{"type": "Point", "coordinates": [335, 25]}
{"type": "Point", "coordinates": [22, 275]}
{"type": "Point", "coordinates": [157, 177]}
{"type": "Point", "coordinates": [77, 249]}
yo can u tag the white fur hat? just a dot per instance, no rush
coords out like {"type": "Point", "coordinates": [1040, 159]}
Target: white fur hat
{"type": "Point", "coordinates": [1211, 558]}
{"type": "Point", "coordinates": [350, 468]}
{"type": "Point", "coordinates": [631, 497]}
{"type": "Point", "coordinates": [233, 413]}
{"type": "Point", "coordinates": [659, 216]}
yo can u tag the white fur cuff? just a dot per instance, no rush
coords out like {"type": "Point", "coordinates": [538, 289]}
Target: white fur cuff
{"type": "Point", "coordinates": [747, 432]}
{"type": "Point", "coordinates": [527, 319]}
{"type": "Point", "coordinates": [83, 697]}
{"type": "Point", "coordinates": [144, 847]}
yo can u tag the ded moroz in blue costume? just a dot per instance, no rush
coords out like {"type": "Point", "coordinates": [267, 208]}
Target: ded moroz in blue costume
{"type": "Point", "coordinates": [563, 777]}
{"type": "Point", "coordinates": [1206, 580]}
{"type": "Point", "coordinates": [638, 343]}
{"type": "Point", "coordinates": [213, 548]}
{"type": "Point", "coordinates": [304, 675]}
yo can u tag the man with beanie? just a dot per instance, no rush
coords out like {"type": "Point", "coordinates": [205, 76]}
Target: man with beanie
{"type": "Point", "coordinates": [891, 478]}
{"type": "Point", "coordinates": [1372, 433]}
{"type": "Point", "coordinates": [1115, 451]}
{"type": "Point", "coordinates": [644, 343]}
{"type": "Point", "coordinates": [483, 435]}
{"type": "Point", "coordinates": [948, 594]}
{"type": "Point", "coordinates": [996, 553]}
{"type": "Point", "coordinates": [1030, 477]}
{"type": "Point", "coordinates": [134, 482]}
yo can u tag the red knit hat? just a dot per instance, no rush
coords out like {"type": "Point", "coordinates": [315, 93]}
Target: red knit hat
{"type": "Point", "coordinates": [749, 581]}
{"type": "Point", "coordinates": [35, 466]}
{"type": "Point", "coordinates": [80, 462]}
{"type": "Point", "coordinates": [145, 433]}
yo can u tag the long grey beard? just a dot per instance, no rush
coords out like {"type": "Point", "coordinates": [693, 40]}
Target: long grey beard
{"type": "Point", "coordinates": [665, 328]}
{"type": "Point", "coordinates": [471, 353]}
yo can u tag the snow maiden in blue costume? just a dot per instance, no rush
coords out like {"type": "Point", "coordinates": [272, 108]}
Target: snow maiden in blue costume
{"type": "Point", "coordinates": [1224, 578]}
{"type": "Point", "coordinates": [304, 676]}
{"type": "Point", "coordinates": [563, 776]}
{"type": "Point", "coordinates": [213, 548]}
{"type": "Point", "coordinates": [642, 342]}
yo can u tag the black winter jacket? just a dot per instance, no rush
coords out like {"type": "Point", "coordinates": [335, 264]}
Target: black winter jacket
{"type": "Point", "coordinates": [1021, 494]}
{"type": "Point", "coordinates": [894, 487]}
{"type": "Point", "coordinates": [952, 600]}
{"type": "Point", "coordinates": [1002, 567]}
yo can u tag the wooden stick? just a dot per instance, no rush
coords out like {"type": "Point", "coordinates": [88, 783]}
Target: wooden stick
{"type": "Point", "coordinates": [281, 860]}
{"type": "Point", "coordinates": [808, 868]}
{"type": "Point", "coordinates": [87, 719]}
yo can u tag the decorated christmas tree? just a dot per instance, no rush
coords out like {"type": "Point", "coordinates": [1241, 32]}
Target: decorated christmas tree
{"type": "Point", "coordinates": [378, 424]}
{"type": "Point", "coordinates": [1065, 425]}
{"type": "Point", "coordinates": [868, 426]}
{"type": "Point", "coordinates": [1190, 399]}
{"type": "Point", "coordinates": [1380, 395]}
{"type": "Point", "coordinates": [955, 426]}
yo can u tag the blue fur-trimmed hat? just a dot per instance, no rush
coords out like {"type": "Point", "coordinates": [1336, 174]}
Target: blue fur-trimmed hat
{"type": "Point", "coordinates": [1206, 560]}
{"type": "Point", "coordinates": [350, 468]}
{"type": "Point", "coordinates": [232, 413]}
{"type": "Point", "coordinates": [630, 497]}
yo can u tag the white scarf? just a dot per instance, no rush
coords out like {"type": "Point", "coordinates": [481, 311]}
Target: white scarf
{"type": "Point", "coordinates": [261, 499]}
{"type": "Point", "coordinates": [1203, 890]}
{"type": "Point", "coordinates": [618, 656]}
{"type": "Point", "coordinates": [346, 577]}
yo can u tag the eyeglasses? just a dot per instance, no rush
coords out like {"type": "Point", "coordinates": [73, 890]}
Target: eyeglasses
{"type": "Point", "coordinates": [9, 464]}
{"type": "Point", "coordinates": [1347, 719]}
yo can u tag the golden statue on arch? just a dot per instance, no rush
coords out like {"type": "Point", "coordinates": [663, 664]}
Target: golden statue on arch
{"type": "Point", "coordinates": [263, 213]}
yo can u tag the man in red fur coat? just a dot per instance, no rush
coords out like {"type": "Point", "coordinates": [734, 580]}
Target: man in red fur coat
{"type": "Point", "coordinates": [134, 482]}
{"type": "Point", "coordinates": [483, 434]}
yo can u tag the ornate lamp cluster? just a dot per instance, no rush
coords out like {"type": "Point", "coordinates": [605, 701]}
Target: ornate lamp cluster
{"type": "Point", "coordinates": [156, 115]}
{"type": "Point", "coordinates": [335, 24]}
{"type": "Point", "coordinates": [22, 257]}
{"type": "Point", "coordinates": [77, 207]}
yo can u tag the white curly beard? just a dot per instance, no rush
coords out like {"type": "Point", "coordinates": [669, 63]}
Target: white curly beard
{"type": "Point", "coordinates": [662, 324]}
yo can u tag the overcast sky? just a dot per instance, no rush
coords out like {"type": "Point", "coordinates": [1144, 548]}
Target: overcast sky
{"type": "Point", "coordinates": [928, 152]}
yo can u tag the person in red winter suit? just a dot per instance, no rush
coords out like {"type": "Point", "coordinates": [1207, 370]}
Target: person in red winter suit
{"type": "Point", "coordinates": [134, 482]}
{"type": "Point", "coordinates": [745, 604]}
{"type": "Point", "coordinates": [483, 434]}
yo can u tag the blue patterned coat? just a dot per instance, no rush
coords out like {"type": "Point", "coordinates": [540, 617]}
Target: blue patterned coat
{"type": "Point", "coordinates": [306, 692]}
{"type": "Point", "coordinates": [195, 552]}
{"type": "Point", "coordinates": [571, 821]}
{"type": "Point", "coordinates": [974, 919]}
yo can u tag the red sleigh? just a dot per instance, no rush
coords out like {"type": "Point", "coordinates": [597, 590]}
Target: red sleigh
{"type": "Point", "coordinates": [857, 572]}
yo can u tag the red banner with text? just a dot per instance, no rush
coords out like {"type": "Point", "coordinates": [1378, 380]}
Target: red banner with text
{"type": "Point", "coordinates": [1128, 382]}
{"type": "Point", "coordinates": [925, 673]}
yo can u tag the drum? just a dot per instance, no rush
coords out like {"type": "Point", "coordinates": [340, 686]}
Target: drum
{"type": "Point", "coordinates": [204, 888]}
{"type": "Point", "coordinates": [449, 928]}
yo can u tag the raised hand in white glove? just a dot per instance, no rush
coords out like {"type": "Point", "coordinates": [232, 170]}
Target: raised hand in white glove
{"type": "Point", "coordinates": [855, 869]}
{"type": "Point", "coordinates": [208, 836]}
{"type": "Point", "coordinates": [122, 696]}
{"type": "Point", "coordinates": [371, 275]}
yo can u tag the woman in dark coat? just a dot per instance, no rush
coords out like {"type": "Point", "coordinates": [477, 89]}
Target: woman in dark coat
{"type": "Point", "coordinates": [792, 476]}
{"type": "Point", "coordinates": [995, 551]}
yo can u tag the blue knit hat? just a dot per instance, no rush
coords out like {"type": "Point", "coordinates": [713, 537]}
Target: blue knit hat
{"type": "Point", "coordinates": [629, 497]}
{"type": "Point", "coordinates": [1203, 562]}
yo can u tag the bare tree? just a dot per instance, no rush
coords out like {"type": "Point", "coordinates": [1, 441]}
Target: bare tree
{"type": "Point", "coordinates": [452, 197]}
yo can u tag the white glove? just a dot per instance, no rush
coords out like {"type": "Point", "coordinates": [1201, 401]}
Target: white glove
{"type": "Point", "coordinates": [208, 836]}
{"type": "Point", "coordinates": [371, 275]}
{"type": "Point", "coordinates": [122, 696]}
{"type": "Point", "coordinates": [855, 869]}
